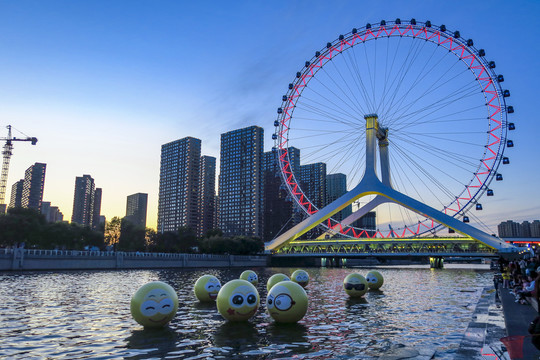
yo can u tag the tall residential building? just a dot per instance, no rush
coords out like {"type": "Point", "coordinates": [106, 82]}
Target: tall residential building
{"type": "Point", "coordinates": [336, 186]}
{"type": "Point", "coordinates": [136, 207]}
{"type": "Point", "coordinates": [98, 193]}
{"type": "Point", "coordinates": [241, 182]}
{"type": "Point", "coordinates": [207, 195]}
{"type": "Point", "coordinates": [83, 201]}
{"type": "Point", "coordinates": [509, 229]}
{"type": "Point", "coordinates": [280, 212]}
{"type": "Point", "coordinates": [16, 194]}
{"type": "Point", "coordinates": [535, 229]}
{"type": "Point", "coordinates": [313, 183]}
{"type": "Point", "coordinates": [367, 222]}
{"type": "Point", "coordinates": [34, 183]}
{"type": "Point", "coordinates": [526, 229]}
{"type": "Point", "coordinates": [179, 185]}
{"type": "Point", "coordinates": [51, 213]}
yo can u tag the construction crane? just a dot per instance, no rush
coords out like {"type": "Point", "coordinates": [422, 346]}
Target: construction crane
{"type": "Point", "coordinates": [7, 152]}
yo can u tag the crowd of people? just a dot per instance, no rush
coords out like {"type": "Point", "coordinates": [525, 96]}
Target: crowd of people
{"type": "Point", "coordinates": [521, 277]}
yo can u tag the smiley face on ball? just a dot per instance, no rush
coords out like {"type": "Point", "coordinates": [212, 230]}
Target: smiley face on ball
{"type": "Point", "coordinates": [154, 304]}
{"type": "Point", "coordinates": [206, 288]}
{"type": "Point", "coordinates": [374, 279]}
{"type": "Point", "coordinates": [300, 277]}
{"type": "Point", "coordinates": [355, 285]}
{"type": "Point", "coordinates": [250, 276]}
{"type": "Point", "coordinates": [238, 300]}
{"type": "Point", "coordinates": [287, 302]}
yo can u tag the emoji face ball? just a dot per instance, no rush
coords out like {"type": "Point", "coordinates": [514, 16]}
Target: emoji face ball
{"type": "Point", "coordinates": [274, 279]}
{"type": "Point", "coordinates": [287, 302]}
{"type": "Point", "coordinates": [355, 285]}
{"type": "Point", "coordinates": [238, 300]}
{"type": "Point", "coordinates": [206, 288]}
{"type": "Point", "coordinates": [154, 304]}
{"type": "Point", "coordinates": [300, 277]}
{"type": "Point", "coordinates": [250, 276]}
{"type": "Point", "coordinates": [374, 279]}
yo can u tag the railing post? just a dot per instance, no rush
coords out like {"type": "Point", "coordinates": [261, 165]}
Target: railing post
{"type": "Point", "coordinates": [18, 259]}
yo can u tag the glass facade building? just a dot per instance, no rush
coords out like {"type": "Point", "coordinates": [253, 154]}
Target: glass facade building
{"type": "Point", "coordinates": [33, 185]}
{"type": "Point", "coordinates": [136, 206]}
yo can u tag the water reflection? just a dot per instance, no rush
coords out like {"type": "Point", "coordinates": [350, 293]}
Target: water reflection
{"type": "Point", "coordinates": [86, 315]}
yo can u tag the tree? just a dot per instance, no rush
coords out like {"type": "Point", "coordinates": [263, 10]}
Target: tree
{"type": "Point", "coordinates": [113, 230]}
{"type": "Point", "coordinates": [21, 225]}
{"type": "Point", "coordinates": [132, 237]}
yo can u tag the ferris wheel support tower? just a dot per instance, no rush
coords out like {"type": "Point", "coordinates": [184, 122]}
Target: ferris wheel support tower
{"type": "Point", "coordinates": [370, 184]}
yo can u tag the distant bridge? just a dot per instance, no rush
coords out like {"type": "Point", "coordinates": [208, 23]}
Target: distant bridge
{"type": "Point", "coordinates": [389, 247]}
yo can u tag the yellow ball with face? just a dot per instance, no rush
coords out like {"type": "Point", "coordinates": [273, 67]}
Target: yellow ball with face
{"type": "Point", "coordinates": [154, 304]}
{"type": "Point", "coordinates": [355, 285]}
{"type": "Point", "coordinates": [287, 302]}
{"type": "Point", "coordinates": [206, 288]}
{"type": "Point", "coordinates": [238, 300]}
{"type": "Point", "coordinates": [250, 276]}
{"type": "Point", "coordinates": [374, 279]}
{"type": "Point", "coordinates": [301, 277]}
{"type": "Point", "coordinates": [274, 279]}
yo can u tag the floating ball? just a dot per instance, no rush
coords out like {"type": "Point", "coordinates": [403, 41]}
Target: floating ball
{"type": "Point", "coordinates": [374, 279]}
{"type": "Point", "coordinates": [274, 279]}
{"type": "Point", "coordinates": [287, 302]}
{"type": "Point", "coordinates": [238, 300]}
{"type": "Point", "coordinates": [154, 304]}
{"type": "Point", "coordinates": [250, 276]}
{"type": "Point", "coordinates": [206, 288]}
{"type": "Point", "coordinates": [355, 285]}
{"type": "Point", "coordinates": [301, 277]}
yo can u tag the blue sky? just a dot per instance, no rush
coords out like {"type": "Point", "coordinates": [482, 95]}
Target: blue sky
{"type": "Point", "coordinates": [103, 84]}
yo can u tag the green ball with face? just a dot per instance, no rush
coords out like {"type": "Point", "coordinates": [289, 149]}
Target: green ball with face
{"type": "Point", "coordinates": [250, 276]}
{"type": "Point", "coordinates": [287, 302]}
{"type": "Point", "coordinates": [355, 285]}
{"type": "Point", "coordinates": [206, 288]}
{"type": "Point", "coordinates": [238, 300]}
{"type": "Point", "coordinates": [301, 277]}
{"type": "Point", "coordinates": [274, 279]}
{"type": "Point", "coordinates": [374, 279]}
{"type": "Point", "coordinates": [154, 304]}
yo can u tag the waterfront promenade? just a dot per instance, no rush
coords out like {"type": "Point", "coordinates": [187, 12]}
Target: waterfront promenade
{"type": "Point", "coordinates": [26, 259]}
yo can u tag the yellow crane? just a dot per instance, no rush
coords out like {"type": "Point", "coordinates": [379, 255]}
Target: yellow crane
{"type": "Point", "coordinates": [7, 152]}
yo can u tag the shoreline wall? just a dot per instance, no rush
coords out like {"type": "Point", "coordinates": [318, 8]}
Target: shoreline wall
{"type": "Point", "coordinates": [21, 259]}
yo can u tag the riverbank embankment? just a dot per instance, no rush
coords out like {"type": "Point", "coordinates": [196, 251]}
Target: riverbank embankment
{"type": "Point", "coordinates": [20, 259]}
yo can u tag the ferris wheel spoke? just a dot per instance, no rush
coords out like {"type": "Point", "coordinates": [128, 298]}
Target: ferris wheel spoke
{"type": "Point", "coordinates": [464, 91]}
{"type": "Point", "coordinates": [434, 108]}
{"type": "Point", "coordinates": [346, 153]}
{"type": "Point", "coordinates": [345, 98]}
{"type": "Point", "coordinates": [356, 77]}
{"type": "Point", "coordinates": [319, 148]}
{"type": "Point", "coordinates": [469, 89]}
{"type": "Point", "coordinates": [327, 113]}
{"type": "Point", "coordinates": [420, 79]}
{"type": "Point", "coordinates": [403, 71]}
{"type": "Point", "coordinates": [429, 148]}
{"type": "Point", "coordinates": [353, 68]}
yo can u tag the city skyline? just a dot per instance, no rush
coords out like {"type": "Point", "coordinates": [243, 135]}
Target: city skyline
{"type": "Point", "coordinates": [103, 92]}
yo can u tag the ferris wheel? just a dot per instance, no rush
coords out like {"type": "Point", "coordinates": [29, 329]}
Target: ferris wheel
{"type": "Point", "coordinates": [440, 109]}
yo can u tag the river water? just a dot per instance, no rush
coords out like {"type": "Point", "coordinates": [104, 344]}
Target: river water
{"type": "Point", "coordinates": [85, 314]}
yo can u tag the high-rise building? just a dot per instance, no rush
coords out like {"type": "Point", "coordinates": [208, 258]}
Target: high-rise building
{"type": "Point", "coordinates": [535, 229]}
{"type": "Point", "coordinates": [336, 186]}
{"type": "Point", "coordinates": [509, 229]}
{"type": "Point", "coordinates": [367, 222]}
{"type": "Point", "coordinates": [526, 229]}
{"type": "Point", "coordinates": [313, 183]}
{"type": "Point", "coordinates": [136, 207]}
{"type": "Point", "coordinates": [51, 213]}
{"type": "Point", "coordinates": [179, 184]}
{"type": "Point", "coordinates": [280, 212]}
{"type": "Point", "coordinates": [83, 201]}
{"type": "Point", "coordinates": [207, 195]}
{"type": "Point", "coordinates": [98, 193]}
{"type": "Point", "coordinates": [16, 194]}
{"type": "Point", "coordinates": [241, 182]}
{"type": "Point", "coordinates": [34, 183]}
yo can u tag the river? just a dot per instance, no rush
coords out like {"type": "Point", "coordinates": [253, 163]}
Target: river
{"type": "Point", "coordinates": [85, 314]}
